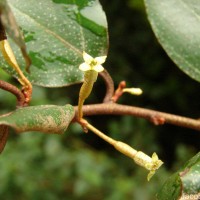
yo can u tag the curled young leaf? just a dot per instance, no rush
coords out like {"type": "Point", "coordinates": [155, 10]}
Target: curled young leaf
{"type": "Point", "coordinates": [44, 118]}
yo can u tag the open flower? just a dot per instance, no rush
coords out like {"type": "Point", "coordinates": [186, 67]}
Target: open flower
{"type": "Point", "coordinates": [140, 158]}
{"type": "Point", "coordinates": [150, 163]}
{"type": "Point", "coordinates": [92, 63]}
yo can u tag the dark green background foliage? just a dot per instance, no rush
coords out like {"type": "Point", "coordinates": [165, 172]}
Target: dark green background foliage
{"type": "Point", "coordinates": [81, 166]}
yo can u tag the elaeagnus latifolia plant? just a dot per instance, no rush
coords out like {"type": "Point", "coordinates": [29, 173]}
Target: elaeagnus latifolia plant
{"type": "Point", "coordinates": [67, 43]}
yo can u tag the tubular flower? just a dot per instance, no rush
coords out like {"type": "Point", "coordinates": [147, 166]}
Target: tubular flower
{"type": "Point", "coordinates": [150, 163]}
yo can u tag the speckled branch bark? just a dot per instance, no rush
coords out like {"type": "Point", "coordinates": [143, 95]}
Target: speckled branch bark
{"type": "Point", "coordinates": [158, 118]}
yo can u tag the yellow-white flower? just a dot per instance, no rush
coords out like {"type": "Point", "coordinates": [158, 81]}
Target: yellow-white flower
{"type": "Point", "coordinates": [140, 158]}
{"type": "Point", "coordinates": [150, 163]}
{"type": "Point", "coordinates": [92, 63]}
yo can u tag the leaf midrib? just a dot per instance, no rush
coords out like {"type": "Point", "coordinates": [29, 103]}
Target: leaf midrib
{"type": "Point", "coordinates": [66, 43]}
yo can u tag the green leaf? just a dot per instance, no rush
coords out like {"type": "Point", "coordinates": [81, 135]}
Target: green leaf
{"type": "Point", "coordinates": [56, 33]}
{"type": "Point", "coordinates": [190, 177]}
{"type": "Point", "coordinates": [45, 118]}
{"type": "Point", "coordinates": [185, 183]}
{"type": "Point", "coordinates": [176, 24]}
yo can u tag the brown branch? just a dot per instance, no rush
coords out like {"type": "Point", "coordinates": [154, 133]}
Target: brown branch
{"type": "Point", "coordinates": [3, 136]}
{"type": "Point", "coordinates": [158, 118]}
{"type": "Point", "coordinates": [119, 91]}
{"type": "Point", "coordinates": [14, 90]}
{"type": "Point", "coordinates": [109, 86]}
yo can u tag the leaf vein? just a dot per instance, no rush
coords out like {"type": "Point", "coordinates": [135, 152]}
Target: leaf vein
{"type": "Point", "coordinates": [66, 43]}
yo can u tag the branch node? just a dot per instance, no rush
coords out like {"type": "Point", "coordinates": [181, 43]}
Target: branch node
{"type": "Point", "coordinates": [119, 91]}
{"type": "Point", "coordinates": [157, 120]}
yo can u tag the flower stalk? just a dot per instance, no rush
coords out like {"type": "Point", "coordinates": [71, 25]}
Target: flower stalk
{"type": "Point", "coordinates": [140, 158]}
{"type": "Point", "coordinates": [11, 60]}
{"type": "Point", "coordinates": [91, 67]}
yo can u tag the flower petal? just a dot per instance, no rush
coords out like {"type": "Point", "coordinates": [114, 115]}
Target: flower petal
{"type": "Point", "coordinates": [150, 174]}
{"type": "Point", "coordinates": [154, 157]}
{"type": "Point", "coordinates": [87, 58]}
{"type": "Point", "coordinates": [100, 60]}
{"type": "Point", "coordinates": [84, 67]}
{"type": "Point", "coordinates": [98, 68]}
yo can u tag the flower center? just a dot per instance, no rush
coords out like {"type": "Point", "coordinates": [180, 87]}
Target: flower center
{"type": "Point", "coordinates": [93, 63]}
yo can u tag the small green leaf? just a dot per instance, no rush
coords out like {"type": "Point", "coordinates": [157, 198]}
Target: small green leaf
{"type": "Point", "coordinates": [56, 33]}
{"type": "Point", "coordinates": [177, 27]}
{"type": "Point", "coordinates": [184, 184]}
{"type": "Point", "coordinates": [45, 118]}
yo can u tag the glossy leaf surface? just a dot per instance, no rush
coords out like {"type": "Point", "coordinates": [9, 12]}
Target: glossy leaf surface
{"type": "Point", "coordinates": [177, 27]}
{"type": "Point", "coordinates": [56, 33]}
{"type": "Point", "coordinates": [184, 184]}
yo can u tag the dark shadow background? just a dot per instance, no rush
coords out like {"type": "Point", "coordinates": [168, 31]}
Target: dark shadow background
{"type": "Point", "coordinates": [136, 56]}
